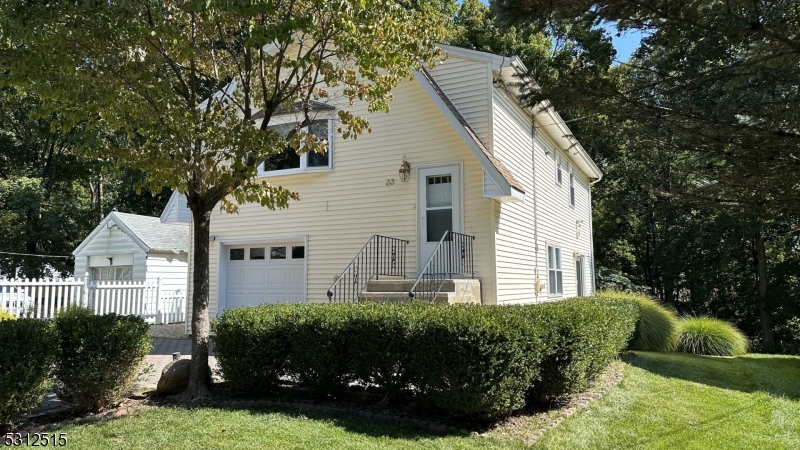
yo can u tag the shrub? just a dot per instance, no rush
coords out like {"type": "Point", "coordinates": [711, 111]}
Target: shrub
{"type": "Point", "coordinates": [5, 315]}
{"type": "Point", "coordinates": [380, 345]}
{"type": "Point", "coordinates": [101, 357]}
{"type": "Point", "coordinates": [583, 336]}
{"type": "Point", "coordinates": [461, 359]}
{"type": "Point", "coordinates": [28, 350]}
{"type": "Point", "coordinates": [707, 336]}
{"type": "Point", "coordinates": [658, 328]}
{"type": "Point", "coordinates": [474, 360]}
{"type": "Point", "coordinates": [252, 346]}
{"type": "Point", "coordinates": [74, 310]}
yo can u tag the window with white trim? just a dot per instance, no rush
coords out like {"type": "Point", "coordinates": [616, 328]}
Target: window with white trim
{"type": "Point", "coordinates": [555, 278]}
{"type": "Point", "coordinates": [572, 189]}
{"type": "Point", "coordinates": [117, 273]}
{"type": "Point", "coordinates": [289, 161]}
{"type": "Point", "coordinates": [559, 170]}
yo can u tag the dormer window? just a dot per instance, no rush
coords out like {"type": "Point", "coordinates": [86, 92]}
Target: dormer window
{"type": "Point", "coordinates": [290, 162]}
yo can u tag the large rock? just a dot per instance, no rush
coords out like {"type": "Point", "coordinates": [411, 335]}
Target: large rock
{"type": "Point", "coordinates": [174, 377]}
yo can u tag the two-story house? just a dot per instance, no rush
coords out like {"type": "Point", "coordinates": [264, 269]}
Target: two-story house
{"type": "Point", "coordinates": [458, 152]}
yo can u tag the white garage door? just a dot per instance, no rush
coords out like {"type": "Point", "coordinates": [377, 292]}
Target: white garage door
{"type": "Point", "coordinates": [267, 273]}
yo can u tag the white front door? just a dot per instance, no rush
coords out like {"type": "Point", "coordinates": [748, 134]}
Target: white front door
{"type": "Point", "coordinates": [265, 273]}
{"type": "Point", "coordinates": [438, 208]}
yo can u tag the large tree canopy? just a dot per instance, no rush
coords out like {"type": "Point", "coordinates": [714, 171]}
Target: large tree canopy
{"type": "Point", "coordinates": [183, 80]}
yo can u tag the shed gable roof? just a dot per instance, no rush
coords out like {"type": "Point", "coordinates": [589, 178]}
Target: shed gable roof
{"type": "Point", "coordinates": [147, 232]}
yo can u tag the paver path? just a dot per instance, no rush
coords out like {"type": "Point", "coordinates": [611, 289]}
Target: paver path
{"type": "Point", "coordinates": [159, 356]}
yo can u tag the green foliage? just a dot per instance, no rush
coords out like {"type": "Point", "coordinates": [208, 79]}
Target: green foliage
{"type": "Point", "coordinates": [28, 350]}
{"type": "Point", "coordinates": [101, 358]}
{"type": "Point", "coordinates": [253, 344]}
{"type": "Point", "coordinates": [73, 310]}
{"type": "Point", "coordinates": [459, 359]}
{"type": "Point", "coordinates": [583, 336]}
{"type": "Point", "coordinates": [5, 315]}
{"type": "Point", "coordinates": [474, 360]}
{"type": "Point", "coordinates": [707, 336]}
{"type": "Point", "coordinates": [658, 328]}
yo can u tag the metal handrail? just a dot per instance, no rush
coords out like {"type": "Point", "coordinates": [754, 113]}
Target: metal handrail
{"type": "Point", "coordinates": [380, 256]}
{"type": "Point", "coordinates": [453, 255]}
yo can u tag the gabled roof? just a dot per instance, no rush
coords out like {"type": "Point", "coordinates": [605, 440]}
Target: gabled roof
{"type": "Point", "coordinates": [497, 171]}
{"type": "Point", "coordinates": [148, 232]}
{"type": "Point", "coordinates": [512, 69]}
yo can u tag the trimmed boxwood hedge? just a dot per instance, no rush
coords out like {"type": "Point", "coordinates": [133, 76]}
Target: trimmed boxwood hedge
{"type": "Point", "coordinates": [461, 359]}
{"type": "Point", "coordinates": [28, 350]}
{"type": "Point", "coordinates": [100, 357]}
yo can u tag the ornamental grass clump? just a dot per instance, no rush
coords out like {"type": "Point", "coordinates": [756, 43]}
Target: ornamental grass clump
{"type": "Point", "coordinates": [658, 328]}
{"type": "Point", "coordinates": [707, 336]}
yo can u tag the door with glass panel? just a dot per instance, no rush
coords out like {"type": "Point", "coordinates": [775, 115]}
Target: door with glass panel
{"type": "Point", "coordinates": [438, 208]}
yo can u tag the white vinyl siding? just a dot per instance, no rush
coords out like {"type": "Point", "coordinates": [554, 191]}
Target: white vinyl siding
{"type": "Point", "coordinates": [176, 211]}
{"type": "Point", "coordinates": [340, 210]}
{"type": "Point", "coordinates": [520, 258]}
{"type": "Point", "coordinates": [110, 242]}
{"type": "Point", "coordinates": [467, 84]}
{"type": "Point", "coordinates": [171, 268]}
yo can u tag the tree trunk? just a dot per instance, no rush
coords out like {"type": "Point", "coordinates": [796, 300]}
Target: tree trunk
{"type": "Point", "coordinates": [761, 277]}
{"type": "Point", "coordinates": [200, 373]}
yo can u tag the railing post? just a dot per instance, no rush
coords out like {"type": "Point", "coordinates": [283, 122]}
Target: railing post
{"type": "Point", "coordinates": [158, 301]}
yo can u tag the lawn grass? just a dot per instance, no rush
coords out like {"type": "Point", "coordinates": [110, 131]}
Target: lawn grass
{"type": "Point", "coordinates": [671, 400]}
{"type": "Point", "coordinates": [665, 401]}
{"type": "Point", "coordinates": [259, 427]}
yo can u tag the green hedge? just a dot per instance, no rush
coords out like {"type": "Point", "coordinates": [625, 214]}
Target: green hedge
{"type": "Point", "coordinates": [101, 357]}
{"type": "Point", "coordinates": [461, 359]}
{"type": "Point", "coordinates": [28, 350]}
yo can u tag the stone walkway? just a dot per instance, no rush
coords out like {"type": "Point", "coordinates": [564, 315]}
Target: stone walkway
{"type": "Point", "coordinates": [159, 356]}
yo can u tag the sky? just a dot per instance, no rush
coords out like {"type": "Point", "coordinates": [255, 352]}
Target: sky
{"type": "Point", "coordinates": [626, 43]}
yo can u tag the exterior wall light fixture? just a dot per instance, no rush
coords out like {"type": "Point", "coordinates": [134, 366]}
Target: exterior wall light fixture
{"type": "Point", "coordinates": [405, 170]}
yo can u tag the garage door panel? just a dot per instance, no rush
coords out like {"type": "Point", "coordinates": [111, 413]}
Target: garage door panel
{"type": "Point", "coordinates": [277, 278]}
{"type": "Point", "coordinates": [237, 276]}
{"type": "Point", "coordinates": [277, 298]}
{"type": "Point", "coordinates": [255, 277]}
{"type": "Point", "coordinates": [298, 276]}
{"type": "Point", "coordinates": [255, 298]}
{"type": "Point", "coordinates": [236, 300]}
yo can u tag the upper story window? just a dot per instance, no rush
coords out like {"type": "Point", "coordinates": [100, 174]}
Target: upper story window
{"type": "Point", "coordinates": [559, 170]}
{"type": "Point", "coordinates": [572, 189]}
{"type": "Point", "coordinates": [289, 161]}
{"type": "Point", "coordinates": [555, 278]}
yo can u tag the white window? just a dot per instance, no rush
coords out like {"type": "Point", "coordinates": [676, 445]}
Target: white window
{"type": "Point", "coordinates": [289, 161]}
{"type": "Point", "coordinates": [555, 278]}
{"type": "Point", "coordinates": [558, 170]}
{"type": "Point", "coordinates": [572, 189]}
{"type": "Point", "coordinates": [118, 273]}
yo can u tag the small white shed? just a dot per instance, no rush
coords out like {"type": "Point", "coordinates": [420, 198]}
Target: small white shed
{"type": "Point", "coordinates": [137, 248]}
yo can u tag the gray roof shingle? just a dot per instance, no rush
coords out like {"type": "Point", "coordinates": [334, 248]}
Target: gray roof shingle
{"type": "Point", "coordinates": [160, 237]}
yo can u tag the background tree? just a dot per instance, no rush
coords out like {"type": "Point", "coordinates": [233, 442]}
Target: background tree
{"type": "Point", "coordinates": [50, 191]}
{"type": "Point", "coordinates": [147, 69]}
{"type": "Point", "coordinates": [700, 131]}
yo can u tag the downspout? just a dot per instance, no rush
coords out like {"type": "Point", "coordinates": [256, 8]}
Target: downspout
{"type": "Point", "coordinates": [537, 280]}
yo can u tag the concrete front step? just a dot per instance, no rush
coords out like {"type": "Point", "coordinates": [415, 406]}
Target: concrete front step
{"type": "Point", "coordinates": [390, 297]}
{"type": "Point", "coordinates": [452, 291]}
{"type": "Point", "coordinates": [390, 286]}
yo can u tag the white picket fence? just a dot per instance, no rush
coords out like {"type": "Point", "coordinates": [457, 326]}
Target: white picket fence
{"type": "Point", "coordinates": [42, 299]}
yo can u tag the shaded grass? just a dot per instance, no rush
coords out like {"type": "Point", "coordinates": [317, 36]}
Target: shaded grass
{"type": "Point", "coordinates": [707, 336]}
{"type": "Point", "coordinates": [692, 402]}
{"type": "Point", "coordinates": [259, 427]}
